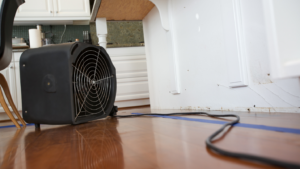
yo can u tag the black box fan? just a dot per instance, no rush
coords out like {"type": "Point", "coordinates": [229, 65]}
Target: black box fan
{"type": "Point", "coordinates": [67, 84]}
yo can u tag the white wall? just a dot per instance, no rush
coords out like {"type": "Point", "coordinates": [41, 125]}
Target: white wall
{"type": "Point", "coordinates": [199, 40]}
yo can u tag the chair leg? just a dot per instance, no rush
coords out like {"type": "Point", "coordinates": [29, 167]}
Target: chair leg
{"type": "Point", "coordinates": [7, 111]}
{"type": "Point", "coordinates": [5, 87]}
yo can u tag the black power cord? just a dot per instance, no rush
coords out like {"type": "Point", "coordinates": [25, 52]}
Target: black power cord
{"type": "Point", "coordinates": [221, 151]}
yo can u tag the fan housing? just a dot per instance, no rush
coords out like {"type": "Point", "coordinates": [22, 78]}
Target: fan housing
{"type": "Point", "coordinates": [67, 84]}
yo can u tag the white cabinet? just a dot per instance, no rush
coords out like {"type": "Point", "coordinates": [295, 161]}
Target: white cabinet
{"type": "Point", "coordinates": [39, 8]}
{"type": "Point", "coordinates": [52, 12]}
{"type": "Point", "coordinates": [77, 7]}
{"type": "Point", "coordinates": [12, 76]}
{"type": "Point", "coordinates": [9, 74]}
{"type": "Point", "coordinates": [35, 8]}
{"type": "Point", "coordinates": [132, 77]}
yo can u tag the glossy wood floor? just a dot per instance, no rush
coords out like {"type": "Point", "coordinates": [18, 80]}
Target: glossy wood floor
{"type": "Point", "coordinates": [146, 143]}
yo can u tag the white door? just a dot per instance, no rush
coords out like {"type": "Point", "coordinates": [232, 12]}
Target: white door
{"type": "Point", "coordinates": [35, 8]}
{"type": "Point", "coordinates": [71, 7]}
{"type": "Point", "coordinates": [283, 25]}
{"type": "Point", "coordinates": [9, 74]}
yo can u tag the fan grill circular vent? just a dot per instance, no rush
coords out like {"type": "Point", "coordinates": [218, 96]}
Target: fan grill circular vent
{"type": "Point", "coordinates": [91, 82]}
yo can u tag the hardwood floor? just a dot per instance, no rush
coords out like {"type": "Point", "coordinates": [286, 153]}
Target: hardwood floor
{"type": "Point", "coordinates": [148, 142]}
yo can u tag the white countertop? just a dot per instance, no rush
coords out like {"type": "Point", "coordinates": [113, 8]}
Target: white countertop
{"type": "Point", "coordinates": [19, 50]}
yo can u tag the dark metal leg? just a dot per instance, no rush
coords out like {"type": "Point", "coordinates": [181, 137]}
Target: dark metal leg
{"type": "Point", "coordinates": [37, 125]}
{"type": "Point", "coordinates": [114, 111]}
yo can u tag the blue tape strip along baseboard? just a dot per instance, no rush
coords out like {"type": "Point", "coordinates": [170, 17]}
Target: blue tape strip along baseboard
{"type": "Point", "coordinates": [29, 124]}
{"type": "Point", "coordinates": [253, 126]}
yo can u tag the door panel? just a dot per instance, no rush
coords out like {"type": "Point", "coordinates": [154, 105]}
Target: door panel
{"type": "Point", "coordinates": [18, 87]}
{"type": "Point", "coordinates": [71, 8]}
{"type": "Point", "coordinates": [35, 8]}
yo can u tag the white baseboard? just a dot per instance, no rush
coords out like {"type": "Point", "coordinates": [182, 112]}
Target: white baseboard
{"type": "Point", "coordinates": [132, 103]}
{"type": "Point", "coordinates": [3, 115]}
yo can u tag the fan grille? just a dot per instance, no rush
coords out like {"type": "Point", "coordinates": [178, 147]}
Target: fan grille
{"type": "Point", "coordinates": [92, 83]}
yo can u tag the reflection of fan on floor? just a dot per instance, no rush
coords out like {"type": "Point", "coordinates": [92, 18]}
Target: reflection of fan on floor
{"type": "Point", "coordinates": [93, 145]}
{"type": "Point", "coordinates": [103, 151]}
{"type": "Point", "coordinates": [69, 83]}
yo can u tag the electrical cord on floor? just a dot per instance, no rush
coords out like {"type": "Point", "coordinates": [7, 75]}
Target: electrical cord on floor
{"type": "Point", "coordinates": [219, 150]}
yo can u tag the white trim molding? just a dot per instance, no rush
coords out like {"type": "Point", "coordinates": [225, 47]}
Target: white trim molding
{"type": "Point", "coordinates": [163, 8]}
{"type": "Point", "coordinates": [234, 43]}
{"type": "Point", "coordinates": [165, 11]}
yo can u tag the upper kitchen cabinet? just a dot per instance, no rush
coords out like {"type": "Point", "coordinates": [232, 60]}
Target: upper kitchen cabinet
{"type": "Point", "coordinates": [52, 12]}
{"type": "Point", "coordinates": [71, 7]}
{"type": "Point", "coordinates": [34, 8]}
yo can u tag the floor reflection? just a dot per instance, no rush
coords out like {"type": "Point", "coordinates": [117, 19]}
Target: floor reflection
{"type": "Point", "coordinates": [11, 150]}
{"type": "Point", "coordinates": [143, 142]}
{"type": "Point", "coordinates": [92, 145]}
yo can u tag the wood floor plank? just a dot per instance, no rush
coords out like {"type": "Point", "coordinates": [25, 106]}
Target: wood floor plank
{"type": "Point", "coordinates": [148, 143]}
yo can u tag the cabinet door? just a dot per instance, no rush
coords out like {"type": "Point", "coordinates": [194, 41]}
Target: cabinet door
{"type": "Point", "coordinates": [71, 8]}
{"type": "Point", "coordinates": [9, 74]}
{"type": "Point", "coordinates": [18, 87]}
{"type": "Point", "coordinates": [35, 8]}
{"type": "Point", "coordinates": [17, 56]}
